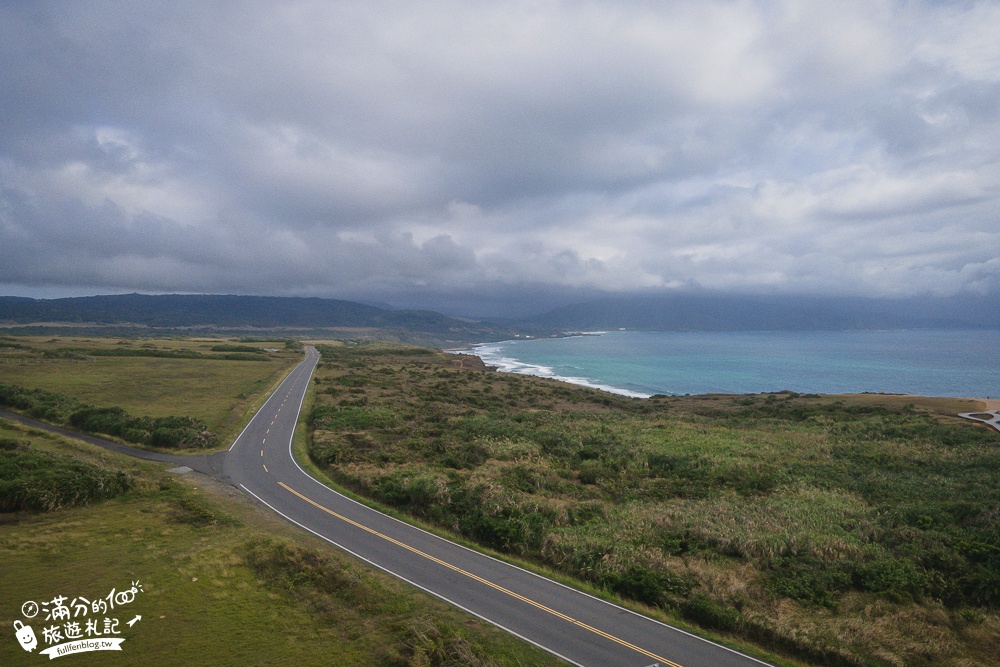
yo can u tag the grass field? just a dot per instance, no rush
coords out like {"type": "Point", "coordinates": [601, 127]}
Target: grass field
{"type": "Point", "coordinates": [223, 583]}
{"type": "Point", "coordinates": [840, 530]}
{"type": "Point", "coordinates": [221, 392]}
{"type": "Point", "coordinates": [848, 530]}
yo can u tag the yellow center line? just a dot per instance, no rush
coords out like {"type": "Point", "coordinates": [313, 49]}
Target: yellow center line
{"type": "Point", "coordinates": [265, 468]}
{"type": "Point", "coordinates": [506, 591]}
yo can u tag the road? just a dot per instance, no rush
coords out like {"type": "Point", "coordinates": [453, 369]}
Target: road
{"type": "Point", "coordinates": [988, 417]}
{"type": "Point", "coordinates": [572, 625]}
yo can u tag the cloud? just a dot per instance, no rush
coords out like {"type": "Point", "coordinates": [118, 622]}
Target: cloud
{"type": "Point", "coordinates": [440, 150]}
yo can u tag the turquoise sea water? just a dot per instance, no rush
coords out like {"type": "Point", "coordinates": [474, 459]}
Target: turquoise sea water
{"type": "Point", "coordinates": [921, 362]}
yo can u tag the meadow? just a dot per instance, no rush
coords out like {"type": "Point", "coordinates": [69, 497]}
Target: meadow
{"type": "Point", "coordinates": [835, 530]}
{"type": "Point", "coordinates": [839, 530]}
{"type": "Point", "coordinates": [214, 381]}
{"type": "Point", "coordinates": [223, 581]}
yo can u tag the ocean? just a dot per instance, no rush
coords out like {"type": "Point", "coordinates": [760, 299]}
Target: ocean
{"type": "Point", "coordinates": [920, 362]}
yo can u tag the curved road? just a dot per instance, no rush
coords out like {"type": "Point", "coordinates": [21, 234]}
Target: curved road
{"type": "Point", "coordinates": [577, 627]}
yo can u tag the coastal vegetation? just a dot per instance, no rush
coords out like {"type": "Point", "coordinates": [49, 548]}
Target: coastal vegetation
{"type": "Point", "coordinates": [847, 530]}
{"type": "Point", "coordinates": [839, 530]}
{"type": "Point", "coordinates": [77, 520]}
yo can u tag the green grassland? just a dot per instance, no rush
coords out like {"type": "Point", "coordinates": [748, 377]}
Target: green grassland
{"type": "Point", "coordinates": [853, 530]}
{"type": "Point", "coordinates": [200, 378]}
{"type": "Point", "coordinates": [223, 582]}
{"type": "Point", "coordinates": [840, 530]}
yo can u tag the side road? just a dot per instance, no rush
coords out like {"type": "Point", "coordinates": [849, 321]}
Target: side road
{"type": "Point", "coordinates": [211, 464]}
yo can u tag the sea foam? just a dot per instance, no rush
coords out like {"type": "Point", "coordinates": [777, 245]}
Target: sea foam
{"type": "Point", "coordinates": [492, 355]}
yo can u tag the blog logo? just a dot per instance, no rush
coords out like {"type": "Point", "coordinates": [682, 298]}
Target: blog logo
{"type": "Point", "coordinates": [25, 636]}
{"type": "Point", "coordinates": [78, 624]}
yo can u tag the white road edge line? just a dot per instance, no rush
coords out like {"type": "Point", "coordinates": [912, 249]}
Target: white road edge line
{"type": "Point", "coordinates": [291, 453]}
{"type": "Point", "coordinates": [402, 578]}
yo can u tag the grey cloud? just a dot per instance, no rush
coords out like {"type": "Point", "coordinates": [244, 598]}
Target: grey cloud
{"type": "Point", "coordinates": [378, 150]}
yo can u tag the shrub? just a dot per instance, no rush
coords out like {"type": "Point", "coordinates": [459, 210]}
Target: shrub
{"type": "Point", "coordinates": [37, 402]}
{"type": "Point", "coordinates": [170, 432]}
{"type": "Point", "coordinates": [809, 579]}
{"type": "Point", "coordinates": [710, 614]}
{"type": "Point", "coordinates": [646, 585]}
{"type": "Point", "coordinates": [166, 432]}
{"type": "Point", "coordinates": [897, 579]}
{"type": "Point", "coordinates": [326, 454]}
{"type": "Point", "coordinates": [11, 444]}
{"type": "Point", "coordinates": [289, 567]}
{"type": "Point", "coordinates": [469, 455]}
{"type": "Point", "coordinates": [433, 644]}
{"type": "Point", "coordinates": [522, 478]}
{"type": "Point", "coordinates": [32, 480]}
{"type": "Point", "coordinates": [237, 348]}
{"type": "Point", "coordinates": [499, 523]}
{"type": "Point", "coordinates": [352, 418]}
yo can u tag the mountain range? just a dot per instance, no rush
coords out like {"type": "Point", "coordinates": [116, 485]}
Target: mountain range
{"type": "Point", "coordinates": [675, 312]}
{"type": "Point", "coordinates": [208, 311]}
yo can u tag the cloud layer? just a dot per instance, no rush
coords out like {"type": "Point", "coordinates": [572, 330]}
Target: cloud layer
{"type": "Point", "coordinates": [483, 152]}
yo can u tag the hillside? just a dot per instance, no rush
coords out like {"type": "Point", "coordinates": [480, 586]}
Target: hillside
{"type": "Point", "coordinates": [244, 312]}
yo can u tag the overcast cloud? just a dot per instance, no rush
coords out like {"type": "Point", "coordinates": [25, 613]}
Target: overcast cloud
{"type": "Point", "coordinates": [436, 153]}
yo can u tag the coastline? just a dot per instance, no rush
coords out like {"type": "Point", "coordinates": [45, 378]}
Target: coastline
{"type": "Point", "coordinates": [644, 364]}
{"type": "Point", "coordinates": [505, 364]}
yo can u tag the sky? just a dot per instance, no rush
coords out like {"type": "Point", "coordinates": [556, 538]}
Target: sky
{"type": "Point", "coordinates": [499, 157]}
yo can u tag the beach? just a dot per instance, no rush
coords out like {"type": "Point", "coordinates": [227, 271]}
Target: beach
{"type": "Point", "coordinates": [943, 363]}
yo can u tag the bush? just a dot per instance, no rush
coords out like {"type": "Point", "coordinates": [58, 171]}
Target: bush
{"type": "Point", "coordinates": [522, 478]}
{"type": "Point", "coordinates": [352, 418]}
{"type": "Point", "coordinates": [503, 524]}
{"type": "Point", "coordinates": [32, 480]}
{"type": "Point", "coordinates": [165, 432]}
{"type": "Point", "coordinates": [469, 455]}
{"type": "Point", "coordinates": [433, 644]}
{"type": "Point", "coordinates": [170, 432]}
{"type": "Point", "coordinates": [326, 454]}
{"type": "Point", "coordinates": [809, 579]}
{"type": "Point", "coordinates": [37, 402]}
{"type": "Point", "coordinates": [110, 421]}
{"type": "Point", "coordinates": [710, 614]}
{"type": "Point", "coordinates": [289, 567]}
{"type": "Point", "coordinates": [417, 494]}
{"type": "Point", "coordinates": [897, 579]}
{"type": "Point", "coordinates": [237, 348]}
{"type": "Point", "coordinates": [983, 587]}
{"type": "Point", "coordinates": [646, 585]}
{"type": "Point", "coordinates": [12, 444]}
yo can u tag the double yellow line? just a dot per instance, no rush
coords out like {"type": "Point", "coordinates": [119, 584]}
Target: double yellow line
{"type": "Point", "coordinates": [663, 661]}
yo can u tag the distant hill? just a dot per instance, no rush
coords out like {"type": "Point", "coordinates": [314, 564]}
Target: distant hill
{"type": "Point", "coordinates": [722, 312]}
{"type": "Point", "coordinates": [676, 312]}
{"type": "Point", "coordinates": [235, 312]}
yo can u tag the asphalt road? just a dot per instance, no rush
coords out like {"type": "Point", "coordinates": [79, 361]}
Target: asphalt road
{"type": "Point", "coordinates": [575, 626]}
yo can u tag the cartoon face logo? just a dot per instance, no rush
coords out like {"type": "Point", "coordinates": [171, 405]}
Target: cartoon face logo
{"type": "Point", "coordinates": [25, 636]}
